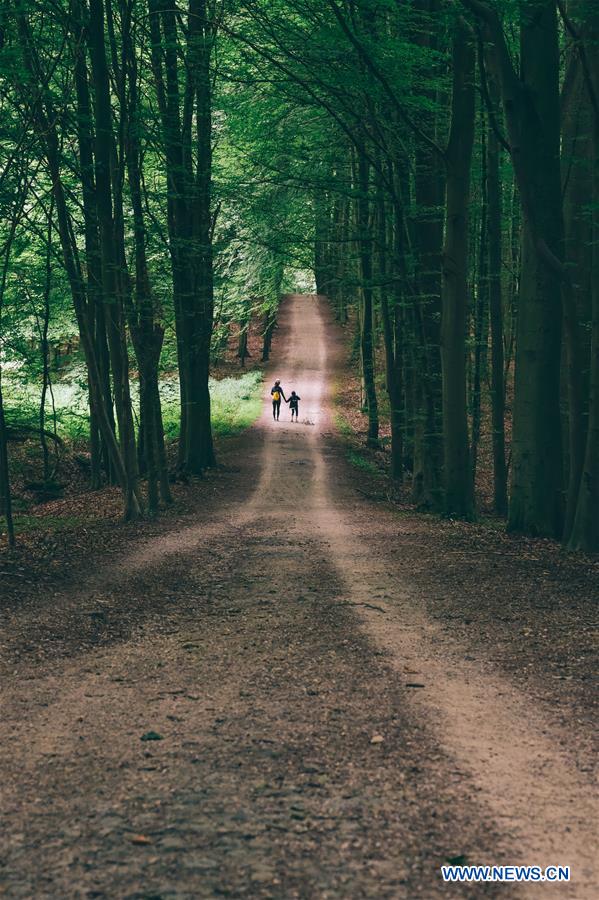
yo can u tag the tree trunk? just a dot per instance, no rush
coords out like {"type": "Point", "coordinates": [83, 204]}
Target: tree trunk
{"type": "Point", "coordinates": [269, 327]}
{"type": "Point", "coordinates": [481, 305]}
{"type": "Point", "coordinates": [242, 344]}
{"type": "Point", "coordinates": [189, 215]}
{"type": "Point", "coordinates": [585, 529]}
{"type": "Point", "coordinates": [100, 344]}
{"type": "Point", "coordinates": [496, 320]}
{"type": "Point", "coordinates": [44, 120]}
{"type": "Point", "coordinates": [577, 178]}
{"type": "Point", "coordinates": [110, 255]}
{"type": "Point", "coordinates": [146, 330]}
{"type": "Point", "coordinates": [391, 341]}
{"type": "Point", "coordinates": [531, 104]}
{"type": "Point", "coordinates": [95, 300]}
{"type": "Point", "coordinates": [200, 449]}
{"type": "Point", "coordinates": [536, 505]}
{"type": "Point", "coordinates": [321, 248]}
{"type": "Point", "coordinates": [428, 241]}
{"type": "Point", "coordinates": [457, 471]}
{"type": "Point", "coordinates": [44, 348]}
{"type": "Point", "coordinates": [146, 398]}
{"type": "Point", "coordinates": [513, 252]}
{"type": "Point", "coordinates": [5, 494]}
{"type": "Point", "coordinates": [429, 188]}
{"type": "Point", "coordinates": [366, 335]}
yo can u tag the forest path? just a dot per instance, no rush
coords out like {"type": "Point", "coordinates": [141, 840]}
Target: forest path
{"type": "Point", "coordinates": [270, 641]}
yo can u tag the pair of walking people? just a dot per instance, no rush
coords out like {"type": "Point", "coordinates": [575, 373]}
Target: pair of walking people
{"type": "Point", "coordinates": [277, 393]}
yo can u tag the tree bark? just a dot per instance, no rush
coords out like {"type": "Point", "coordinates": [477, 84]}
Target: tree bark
{"type": "Point", "coordinates": [111, 258]}
{"type": "Point", "coordinates": [146, 330]}
{"type": "Point", "coordinates": [429, 189]}
{"type": "Point", "coordinates": [366, 335]}
{"type": "Point", "coordinates": [481, 307]}
{"type": "Point", "coordinates": [200, 449]}
{"type": "Point", "coordinates": [457, 472]}
{"type": "Point", "coordinates": [5, 493]}
{"type": "Point", "coordinates": [531, 104]}
{"type": "Point", "coordinates": [585, 528]}
{"type": "Point", "coordinates": [269, 327]}
{"type": "Point", "coordinates": [500, 500]}
{"type": "Point", "coordinates": [189, 216]}
{"type": "Point", "coordinates": [577, 178]}
{"type": "Point", "coordinates": [95, 300]}
{"type": "Point", "coordinates": [391, 339]}
{"type": "Point", "coordinates": [44, 121]}
{"type": "Point", "coordinates": [42, 328]}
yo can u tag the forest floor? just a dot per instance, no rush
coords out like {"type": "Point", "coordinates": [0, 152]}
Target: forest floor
{"type": "Point", "coordinates": [291, 688]}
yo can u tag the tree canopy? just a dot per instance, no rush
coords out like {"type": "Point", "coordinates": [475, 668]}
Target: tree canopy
{"type": "Point", "coordinates": [432, 167]}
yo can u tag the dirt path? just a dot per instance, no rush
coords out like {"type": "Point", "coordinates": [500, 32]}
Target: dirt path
{"type": "Point", "coordinates": [266, 643]}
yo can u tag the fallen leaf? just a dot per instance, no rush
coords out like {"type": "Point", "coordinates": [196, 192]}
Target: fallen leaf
{"type": "Point", "coordinates": [377, 739]}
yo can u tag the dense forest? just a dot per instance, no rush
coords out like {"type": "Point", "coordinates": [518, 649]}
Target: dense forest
{"type": "Point", "coordinates": [168, 170]}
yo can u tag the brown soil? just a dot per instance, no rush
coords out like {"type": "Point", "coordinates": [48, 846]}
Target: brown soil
{"type": "Point", "coordinates": [263, 635]}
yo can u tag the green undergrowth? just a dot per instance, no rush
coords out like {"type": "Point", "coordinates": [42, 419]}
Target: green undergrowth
{"type": "Point", "coordinates": [236, 403]}
{"type": "Point", "coordinates": [342, 425]}
{"type": "Point", "coordinates": [360, 462]}
{"type": "Point", "coordinates": [25, 523]}
{"type": "Point", "coordinates": [356, 453]}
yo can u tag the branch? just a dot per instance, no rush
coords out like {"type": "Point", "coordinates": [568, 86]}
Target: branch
{"type": "Point", "coordinates": [336, 95]}
{"type": "Point", "coordinates": [577, 37]}
{"type": "Point", "coordinates": [491, 19]}
{"type": "Point", "coordinates": [487, 96]}
{"type": "Point", "coordinates": [382, 78]}
{"type": "Point", "coordinates": [17, 431]}
{"type": "Point", "coordinates": [304, 84]}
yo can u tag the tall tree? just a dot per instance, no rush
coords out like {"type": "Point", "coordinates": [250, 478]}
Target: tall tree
{"type": "Point", "coordinates": [458, 156]}
{"type": "Point", "coordinates": [584, 534]}
{"type": "Point", "coordinates": [189, 216]}
{"type": "Point", "coordinates": [365, 252]}
{"type": "Point", "coordinates": [44, 121]}
{"type": "Point", "coordinates": [111, 256]}
{"type": "Point", "coordinates": [500, 496]}
{"type": "Point", "coordinates": [531, 104]}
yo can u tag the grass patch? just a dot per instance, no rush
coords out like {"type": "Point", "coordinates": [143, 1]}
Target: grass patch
{"type": "Point", "coordinates": [24, 523]}
{"type": "Point", "coordinates": [342, 425]}
{"type": "Point", "coordinates": [357, 460]}
{"type": "Point", "coordinates": [236, 403]}
{"type": "Point", "coordinates": [352, 453]}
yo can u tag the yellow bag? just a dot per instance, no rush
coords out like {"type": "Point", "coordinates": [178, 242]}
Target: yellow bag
{"type": "Point", "coordinates": [276, 396]}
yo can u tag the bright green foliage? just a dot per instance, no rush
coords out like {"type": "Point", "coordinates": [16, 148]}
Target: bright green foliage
{"type": "Point", "coordinates": [335, 166]}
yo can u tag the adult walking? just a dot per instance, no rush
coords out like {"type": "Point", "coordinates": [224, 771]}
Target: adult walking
{"type": "Point", "coordinates": [276, 393]}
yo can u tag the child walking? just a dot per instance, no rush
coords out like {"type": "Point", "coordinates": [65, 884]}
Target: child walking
{"type": "Point", "coordinates": [294, 405]}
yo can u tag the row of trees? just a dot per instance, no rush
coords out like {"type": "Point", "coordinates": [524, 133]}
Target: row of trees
{"type": "Point", "coordinates": [458, 196]}
{"type": "Point", "coordinates": [73, 84]}
{"type": "Point", "coordinates": [434, 162]}
{"type": "Point", "coordinates": [108, 145]}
